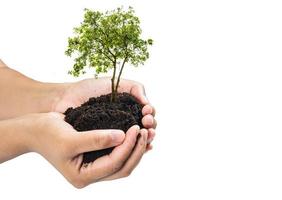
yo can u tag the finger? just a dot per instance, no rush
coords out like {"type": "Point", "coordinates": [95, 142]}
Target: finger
{"type": "Point", "coordinates": [134, 159]}
{"type": "Point", "coordinates": [138, 91]}
{"type": "Point", "coordinates": [149, 121]}
{"type": "Point", "coordinates": [151, 135]}
{"type": "Point", "coordinates": [97, 139]}
{"type": "Point", "coordinates": [57, 115]}
{"type": "Point", "coordinates": [134, 88]}
{"type": "Point", "coordinates": [111, 163]}
{"type": "Point", "coordinates": [148, 109]}
{"type": "Point", "coordinates": [149, 148]}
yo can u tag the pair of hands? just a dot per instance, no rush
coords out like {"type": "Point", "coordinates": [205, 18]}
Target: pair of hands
{"type": "Point", "coordinates": [63, 146]}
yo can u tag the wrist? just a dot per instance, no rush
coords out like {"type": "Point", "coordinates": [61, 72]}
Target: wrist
{"type": "Point", "coordinates": [49, 94]}
{"type": "Point", "coordinates": [31, 125]}
{"type": "Point", "coordinates": [40, 131]}
{"type": "Point", "coordinates": [33, 128]}
{"type": "Point", "coordinates": [21, 95]}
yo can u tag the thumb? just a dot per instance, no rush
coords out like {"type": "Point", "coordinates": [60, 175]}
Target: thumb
{"type": "Point", "coordinates": [138, 91]}
{"type": "Point", "coordinates": [98, 139]}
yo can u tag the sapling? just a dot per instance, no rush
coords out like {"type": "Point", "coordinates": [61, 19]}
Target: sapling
{"type": "Point", "coordinates": [108, 41]}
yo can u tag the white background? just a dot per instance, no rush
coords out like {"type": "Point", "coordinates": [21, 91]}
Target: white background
{"type": "Point", "coordinates": [214, 76]}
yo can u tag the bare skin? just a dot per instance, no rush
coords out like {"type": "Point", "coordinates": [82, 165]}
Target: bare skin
{"type": "Point", "coordinates": [46, 132]}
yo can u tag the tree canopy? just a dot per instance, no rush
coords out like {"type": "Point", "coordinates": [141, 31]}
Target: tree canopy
{"type": "Point", "coordinates": [108, 40]}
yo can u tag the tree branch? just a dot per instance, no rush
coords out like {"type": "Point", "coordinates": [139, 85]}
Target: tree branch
{"type": "Point", "coordinates": [107, 36]}
{"type": "Point", "coordinates": [105, 53]}
{"type": "Point", "coordinates": [113, 96]}
{"type": "Point", "coordinates": [101, 42]}
{"type": "Point", "coordinates": [120, 72]}
{"type": "Point", "coordinates": [123, 63]}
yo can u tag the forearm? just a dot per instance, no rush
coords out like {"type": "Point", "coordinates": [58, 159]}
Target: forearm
{"type": "Point", "coordinates": [15, 138]}
{"type": "Point", "coordinates": [20, 95]}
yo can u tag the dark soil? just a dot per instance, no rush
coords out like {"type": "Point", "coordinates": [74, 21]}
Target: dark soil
{"type": "Point", "coordinates": [101, 113]}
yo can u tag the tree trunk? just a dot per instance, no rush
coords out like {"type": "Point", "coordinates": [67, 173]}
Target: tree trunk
{"type": "Point", "coordinates": [113, 95]}
{"type": "Point", "coordinates": [119, 75]}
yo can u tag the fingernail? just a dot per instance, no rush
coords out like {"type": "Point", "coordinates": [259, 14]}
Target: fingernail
{"type": "Point", "coordinates": [117, 136]}
{"type": "Point", "coordinates": [137, 129]}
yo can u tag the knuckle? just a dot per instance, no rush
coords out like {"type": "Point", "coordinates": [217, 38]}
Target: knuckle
{"type": "Point", "coordinates": [103, 141]}
{"type": "Point", "coordinates": [107, 140]}
{"type": "Point", "coordinates": [78, 185]}
{"type": "Point", "coordinates": [126, 173]}
{"type": "Point", "coordinates": [116, 167]}
{"type": "Point", "coordinates": [77, 182]}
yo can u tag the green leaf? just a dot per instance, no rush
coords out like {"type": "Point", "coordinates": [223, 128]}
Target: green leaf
{"type": "Point", "coordinates": [105, 39]}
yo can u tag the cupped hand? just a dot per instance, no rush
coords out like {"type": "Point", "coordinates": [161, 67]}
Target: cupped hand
{"type": "Point", "coordinates": [63, 147]}
{"type": "Point", "coordinates": [77, 93]}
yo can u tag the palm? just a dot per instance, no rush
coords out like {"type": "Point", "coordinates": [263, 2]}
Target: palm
{"type": "Point", "coordinates": [78, 93]}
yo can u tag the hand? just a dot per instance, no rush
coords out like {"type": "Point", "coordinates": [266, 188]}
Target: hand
{"type": "Point", "coordinates": [39, 97]}
{"type": "Point", "coordinates": [77, 93]}
{"type": "Point", "coordinates": [63, 147]}
{"type": "Point", "coordinates": [2, 64]}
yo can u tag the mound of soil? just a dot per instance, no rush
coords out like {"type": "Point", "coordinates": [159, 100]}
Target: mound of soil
{"type": "Point", "coordinates": [101, 113]}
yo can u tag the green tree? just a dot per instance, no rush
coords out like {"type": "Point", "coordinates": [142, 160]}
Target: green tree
{"type": "Point", "coordinates": [107, 41]}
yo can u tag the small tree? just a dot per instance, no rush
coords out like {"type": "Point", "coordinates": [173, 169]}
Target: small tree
{"type": "Point", "coordinates": [107, 41]}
